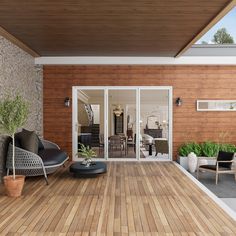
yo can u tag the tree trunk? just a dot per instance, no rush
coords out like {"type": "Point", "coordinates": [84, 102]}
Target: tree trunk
{"type": "Point", "coordinates": [13, 157]}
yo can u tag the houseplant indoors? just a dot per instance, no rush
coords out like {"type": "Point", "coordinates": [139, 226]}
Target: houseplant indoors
{"type": "Point", "coordinates": [13, 115]}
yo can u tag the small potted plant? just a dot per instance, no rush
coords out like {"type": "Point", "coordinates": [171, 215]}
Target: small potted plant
{"type": "Point", "coordinates": [13, 115]}
{"type": "Point", "coordinates": [87, 153]}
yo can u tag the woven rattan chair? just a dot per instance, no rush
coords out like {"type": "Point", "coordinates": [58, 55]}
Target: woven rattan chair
{"type": "Point", "coordinates": [30, 164]}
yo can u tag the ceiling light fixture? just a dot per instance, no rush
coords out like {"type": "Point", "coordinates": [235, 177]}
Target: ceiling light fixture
{"type": "Point", "coordinates": [118, 111]}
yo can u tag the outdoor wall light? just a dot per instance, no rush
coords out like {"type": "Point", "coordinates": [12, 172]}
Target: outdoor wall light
{"type": "Point", "coordinates": [178, 101]}
{"type": "Point", "coordinates": [67, 102]}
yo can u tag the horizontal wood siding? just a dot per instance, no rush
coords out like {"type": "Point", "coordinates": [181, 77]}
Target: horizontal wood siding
{"type": "Point", "coordinates": [189, 82]}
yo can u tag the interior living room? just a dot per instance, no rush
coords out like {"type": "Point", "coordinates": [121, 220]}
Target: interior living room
{"type": "Point", "coordinates": [117, 117]}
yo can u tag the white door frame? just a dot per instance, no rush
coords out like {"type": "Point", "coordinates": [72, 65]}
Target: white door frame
{"type": "Point", "coordinates": [106, 89]}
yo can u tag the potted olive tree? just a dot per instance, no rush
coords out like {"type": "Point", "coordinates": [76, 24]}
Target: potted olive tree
{"type": "Point", "coordinates": [13, 115]}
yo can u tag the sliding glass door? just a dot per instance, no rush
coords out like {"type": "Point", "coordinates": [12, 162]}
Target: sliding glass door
{"type": "Point", "coordinates": [90, 119]}
{"type": "Point", "coordinates": [154, 124]}
{"type": "Point", "coordinates": [123, 123]}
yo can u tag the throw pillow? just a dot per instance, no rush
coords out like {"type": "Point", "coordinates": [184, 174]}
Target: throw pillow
{"type": "Point", "coordinates": [17, 140]}
{"type": "Point", "coordinates": [29, 141]}
{"type": "Point", "coordinates": [40, 144]}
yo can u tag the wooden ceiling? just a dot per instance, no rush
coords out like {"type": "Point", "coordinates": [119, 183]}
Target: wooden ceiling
{"type": "Point", "coordinates": [107, 27]}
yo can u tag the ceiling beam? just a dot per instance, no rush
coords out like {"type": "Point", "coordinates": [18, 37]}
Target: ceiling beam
{"type": "Point", "coordinates": [209, 60]}
{"type": "Point", "coordinates": [17, 42]}
{"type": "Point", "coordinates": [215, 20]}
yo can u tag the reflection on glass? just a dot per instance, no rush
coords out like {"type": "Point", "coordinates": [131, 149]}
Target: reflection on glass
{"type": "Point", "coordinates": [121, 125]}
{"type": "Point", "coordinates": [91, 120]}
{"type": "Point", "coordinates": [154, 120]}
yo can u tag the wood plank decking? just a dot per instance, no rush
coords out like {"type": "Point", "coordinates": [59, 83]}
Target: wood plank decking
{"type": "Point", "coordinates": [153, 198]}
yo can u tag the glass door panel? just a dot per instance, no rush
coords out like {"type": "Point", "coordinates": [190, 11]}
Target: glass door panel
{"type": "Point", "coordinates": [154, 124]}
{"type": "Point", "coordinates": [121, 123]}
{"type": "Point", "coordinates": [91, 120]}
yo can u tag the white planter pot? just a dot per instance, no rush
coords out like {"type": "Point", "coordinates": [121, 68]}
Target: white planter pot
{"type": "Point", "coordinates": [233, 167]}
{"type": "Point", "coordinates": [192, 162]}
{"type": "Point", "coordinates": [207, 160]}
{"type": "Point", "coordinates": [183, 161]}
{"type": "Point", "coordinates": [202, 162]}
{"type": "Point", "coordinates": [211, 161]}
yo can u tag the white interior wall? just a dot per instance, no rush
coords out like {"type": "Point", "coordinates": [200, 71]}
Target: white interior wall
{"type": "Point", "coordinates": [99, 100]}
{"type": "Point", "coordinates": [82, 116]}
{"type": "Point", "coordinates": [96, 113]}
{"type": "Point", "coordinates": [145, 111]}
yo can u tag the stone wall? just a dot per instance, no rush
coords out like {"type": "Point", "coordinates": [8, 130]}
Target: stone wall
{"type": "Point", "coordinates": [18, 74]}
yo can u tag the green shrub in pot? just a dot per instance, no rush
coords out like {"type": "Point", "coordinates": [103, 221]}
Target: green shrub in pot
{"type": "Point", "coordinates": [210, 149]}
{"type": "Point", "coordinates": [227, 147]}
{"type": "Point", "coordinates": [186, 148]}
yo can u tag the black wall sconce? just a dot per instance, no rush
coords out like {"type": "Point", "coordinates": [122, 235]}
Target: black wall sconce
{"type": "Point", "coordinates": [67, 102]}
{"type": "Point", "coordinates": [178, 101]}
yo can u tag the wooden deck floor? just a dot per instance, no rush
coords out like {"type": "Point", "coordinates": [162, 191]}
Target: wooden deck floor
{"type": "Point", "coordinates": [131, 199]}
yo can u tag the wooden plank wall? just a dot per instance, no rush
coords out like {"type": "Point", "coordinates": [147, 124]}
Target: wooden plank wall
{"type": "Point", "coordinates": [189, 82]}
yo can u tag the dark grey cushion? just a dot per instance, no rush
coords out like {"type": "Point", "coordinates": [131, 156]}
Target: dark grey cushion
{"type": "Point", "coordinates": [213, 167]}
{"type": "Point", "coordinates": [28, 140]}
{"type": "Point", "coordinates": [40, 144]}
{"type": "Point", "coordinates": [52, 157]}
{"type": "Point", "coordinates": [4, 143]}
{"type": "Point", "coordinates": [225, 156]}
{"type": "Point", "coordinates": [17, 140]}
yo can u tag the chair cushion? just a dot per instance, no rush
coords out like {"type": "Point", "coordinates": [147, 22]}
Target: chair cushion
{"type": "Point", "coordinates": [52, 157]}
{"type": "Point", "coordinates": [40, 144]}
{"type": "Point", "coordinates": [28, 140]}
{"type": "Point", "coordinates": [17, 140]}
{"type": "Point", "coordinates": [213, 167]}
{"type": "Point", "coordinates": [225, 156]}
{"type": "Point", "coordinates": [147, 139]}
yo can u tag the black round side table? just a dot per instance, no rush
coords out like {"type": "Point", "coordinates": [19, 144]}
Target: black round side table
{"type": "Point", "coordinates": [80, 170]}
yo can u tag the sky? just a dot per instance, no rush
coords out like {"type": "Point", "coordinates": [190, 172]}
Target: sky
{"type": "Point", "coordinates": [228, 22]}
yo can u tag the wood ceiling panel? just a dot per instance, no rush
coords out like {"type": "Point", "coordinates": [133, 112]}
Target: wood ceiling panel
{"type": "Point", "coordinates": [107, 28]}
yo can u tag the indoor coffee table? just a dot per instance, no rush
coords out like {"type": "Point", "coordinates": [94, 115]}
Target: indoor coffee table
{"type": "Point", "coordinates": [80, 170]}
